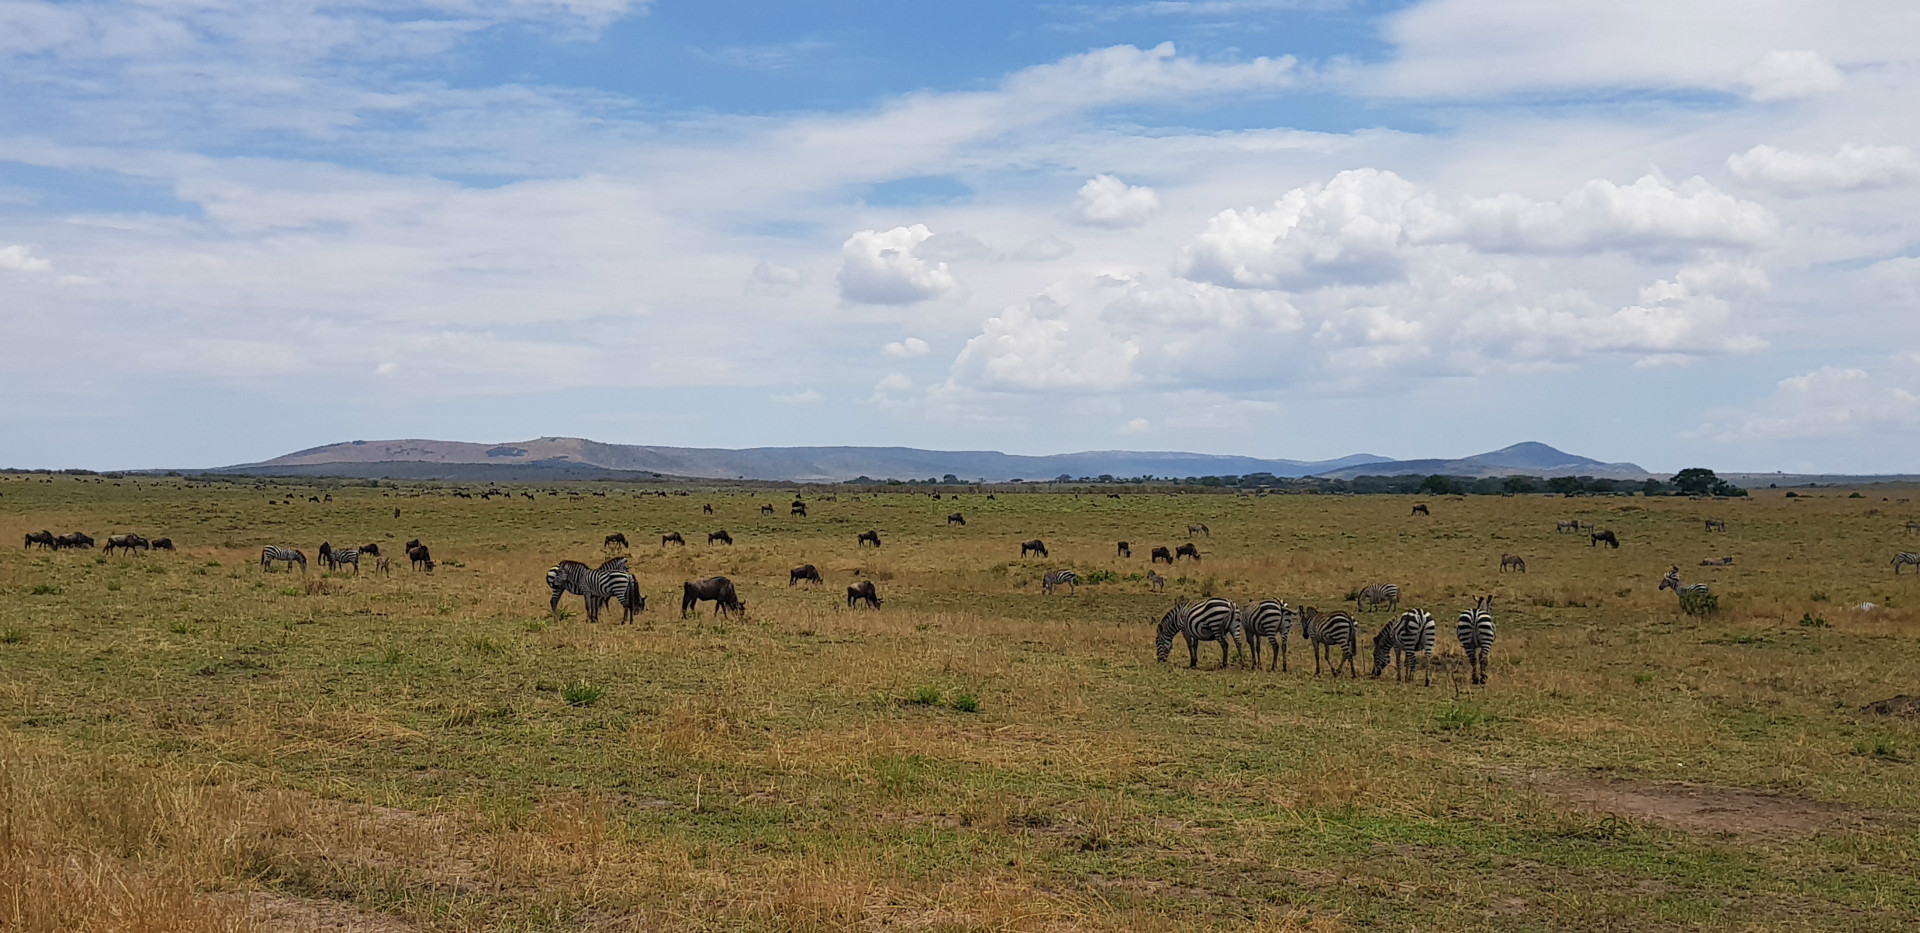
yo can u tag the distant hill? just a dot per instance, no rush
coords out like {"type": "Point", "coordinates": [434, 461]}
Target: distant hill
{"type": "Point", "coordinates": [555, 458]}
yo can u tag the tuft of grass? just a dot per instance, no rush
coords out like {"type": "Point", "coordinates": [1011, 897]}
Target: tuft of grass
{"type": "Point", "coordinates": [12, 636]}
{"type": "Point", "coordinates": [964, 703]}
{"type": "Point", "coordinates": [486, 647]}
{"type": "Point", "coordinates": [536, 625]}
{"type": "Point", "coordinates": [43, 589]}
{"type": "Point", "coordinates": [1099, 576]}
{"type": "Point", "coordinates": [1819, 596]}
{"type": "Point", "coordinates": [1699, 604]}
{"type": "Point", "coordinates": [1809, 620]}
{"type": "Point", "coordinates": [113, 586]}
{"type": "Point", "coordinates": [1642, 678]}
{"type": "Point", "coordinates": [1462, 716]}
{"type": "Point", "coordinates": [179, 628]}
{"type": "Point", "coordinates": [581, 693]}
{"type": "Point", "coordinates": [923, 696]}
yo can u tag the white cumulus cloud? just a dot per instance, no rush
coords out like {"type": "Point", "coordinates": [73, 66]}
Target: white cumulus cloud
{"type": "Point", "coordinates": [1106, 201]}
{"type": "Point", "coordinates": [880, 267]}
{"type": "Point", "coordinates": [804, 397]}
{"type": "Point", "coordinates": [912, 346]}
{"type": "Point", "coordinates": [1849, 168]}
{"type": "Point", "coordinates": [1830, 402]}
{"type": "Point", "coordinates": [1784, 74]}
{"type": "Point", "coordinates": [20, 259]}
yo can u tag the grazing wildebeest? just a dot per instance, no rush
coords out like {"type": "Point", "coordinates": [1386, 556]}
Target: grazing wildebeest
{"type": "Point", "coordinates": [868, 537]}
{"type": "Point", "coordinates": [767, 509]}
{"type": "Point", "coordinates": [396, 513]}
{"type": "Point", "coordinates": [1123, 550]}
{"type": "Point", "coordinates": [127, 542]}
{"type": "Point", "coordinates": [720, 536]}
{"type": "Point", "coordinates": [1034, 546]}
{"type": "Point", "coordinates": [326, 553]}
{"type": "Point", "coordinates": [863, 591]}
{"type": "Point", "coordinates": [1512, 561]}
{"type": "Point", "coordinates": [317, 498]}
{"type": "Point", "coordinates": [618, 537]}
{"type": "Point", "coordinates": [1155, 581]}
{"type": "Point", "coordinates": [1186, 550]}
{"type": "Point", "coordinates": [1716, 524]}
{"type": "Point", "coordinates": [1421, 509]}
{"type": "Point", "coordinates": [1606, 536]}
{"type": "Point", "coordinates": [371, 550]}
{"type": "Point", "coordinates": [672, 537]}
{"type": "Point", "coordinates": [42, 538]}
{"type": "Point", "coordinates": [1160, 554]}
{"type": "Point", "coordinates": [76, 539]}
{"type": "Point", "coordinates": [414, 543]}
{"type": "Point", "coordinates": [1560, 526]}
{"type": "Point", "coordinates": [957, 519]}
{"type": "Point", "coordinates": [799, 509]}
{"type": "Point", "coordinates": [1717, 562]}
{"type": "Point", "coordinates": [706, 508]}
{"type": "Point", "coordinates": [163, 544]}
{"type": "Point", "coordinates": [803, 572]}
{"type": "Point", "coordinates": [717, 589]}
{"type": "Point", "coordinates": [421, 558]}
{"type": "Point", "coordinates": [1202, 529]}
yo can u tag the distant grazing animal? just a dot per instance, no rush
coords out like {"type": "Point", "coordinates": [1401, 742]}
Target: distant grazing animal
{"type": "Point", "coordinates": [370, 550]}
{"type": "Point", "coordinates": [1198, 529]}
{"type": "Point", "coordinates": [1717, 562]}
{"type": "Point", "coordinates": [803, 572]}
{"type": "Point", "coordinates": [1373, 595]}
{"type": "Point", "coordinates": [1421, 509]}
{"type": "Point", "coordinates": [1683, 590]}
{"type": "Point", "coordinates": [1475, 632]}
{"type": "Point", "coordinates": [345, 555]}
{"type": "Point", "coordinates": [1905, 559]}
{"type": "Point", "coordinates": [863, 591]}
{"type": "Point", "coordinates": [1156, 582]}
{"type": "Point", "coordinates": [1215, 620]}
{"type": "Point", "coordinates": [706, 508]}
{"type": "Point", "coordinates": [384, 566]}
{"type": "Point", "coordinates": [957, 519]}
{"type": "Point", "coordinates": [1269, 620]}
{"type": "Point", "coordinates": [1606, 536]}
{"type": "Point", "coordinates": [1036, 546]}
{"type": "Point", "coordinates": [672, 537]}
{"type": "Point", "coordinates": [1056, 577]}
{"type": "Point", "coordinates": [1407, 639]}
{"type": "Point", "coordinates": [1566, 526]}
{"type": "Point", "coordinates": [989, 496]}
{"type": "Point", "coordinates": [1123, 550]}
{"type": "Point", "coordinates": [1514, 561]}
{"type": "Point", "coordinates": [396, 513]}
{"type": "Point", "coordinates": [766, 509]}
{"type": "Point", "coordinates": [414, 543]}
{"type": "Point", "coordinates": [126, 543]}
{"type": "Point", "coordinates": [420, 558]}
{"type": "Point", "coordinates": [867, 537]}
{"type": "Point", "coordinates": [42, 538]}
{"type": "Point", "coordinates": [1186, 550]}
{"type": "Point", "coordinates": [1160, 554]}
{"type": "Point", "coordinates": [326, 553]}
{"type": "Point", "coordinates": [1912, 527]}
{"type": "Point", "coordinates": [272, 553]}
{"type": "Point", "coordinates": [624, 588]}
{"type": "Point", "coordinates": [75, 539]}
{"type": "Point", "coordinates": [317, 498]}
{"type": "Point", "coordinates": [1716, 524]}
{"type": "Point", "coordinates": [1326, 631]}
{"type": "Point", "coordinates": [720, 536]}
{"type": "Point", "coordinates": [618, 537]}
{"type": "Point", "coordinates": [163, 544]}
{"type": "Point", "coordinates": [799, 509]}
{"type": "Point", "coordinates": [718, 590]}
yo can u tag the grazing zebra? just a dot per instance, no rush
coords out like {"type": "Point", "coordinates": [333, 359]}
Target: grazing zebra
{"type": "Point", "coordinates": [1056, 577]}
{"type": "Point", "coordinates": [274, 552]}
{"type": "Point", "coordinates": [1683, 590]}
{"type": "Point", "coordinates": [1475, 632]}
{"type": "Point", "coordinates": [1369, 597]}
{"type": "Point", "coordinates": [1324, 630]}
{"type": "Point", "coordinates": [1212, 620]}
{"type": "Point", "coordinates": [345, 555]}
{"type": "Point", "coordinates": [1406, 639]}
{"type": "Point", "coordinates": [1905, 559]}
{"type": "Point", "coordinates": [1123, 550]}
{"type": "Point", "coordinates": [1514, 561]}
{"type": "Point", "coordinates": [1716, 524]}
{"type": "Point", "coordinates": [1156, 582]}
{"type": "Point", "coordinates": [1202, 529]}
{"type": "Point", "coordinates": [1271, 620]}
{"type": "Point", "coordinates": [1566, 526]}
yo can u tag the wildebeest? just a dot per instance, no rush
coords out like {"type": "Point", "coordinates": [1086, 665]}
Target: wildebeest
{"type": "Point", "coordinates": [1420, 509]}
{"type": "Point", "coordinates": [720, 536]}
{"type": "Point", "coordinates": [863, 591]}
{"type": "Point", "coordinates": [868, 537]}
{"type": "Point", "coordinates": [421, 558]}
{"type": "Point", "coordinates": [1186, 550]}
{"type": "Point", "coordinates": [42, 538]}
{"type": "Point", "coordinates": [672, 537]}
{"type": "Point", "coordinates": [371, 550]}
{"type": "Point", "coordinates": [706, 508]}
{"type": "Point", "coordinates": [1160, 554]}
{"type": "Point", "coordinates": [396, 513]}
{"type": "Point", "coordinates": [128, 542]}
{"type": "Point", "coordinates": [163, 544]}
{"type": "Point", "coordinates": [803, 572]}
{"type": "Point", "coordinates": [74, 539]}
{"type": "Point", "coordinates": [618, 537]}
{"type": "Point", "coordinates": [1716, 524]}
{"type": "Point", "coordinates": [1512, 561]}
{"type": "Point", "coordinates": [799, 509]}
{"type": "Point", "coordinates": [1202, 529]}
{"type": "Point", "coordinates": [1717, 562]}
{"type": "Point", "coordinates": [767, 509]}
{"type": "Point", "coordinates": [957, 519]}
{"type": "Point", "coordinates": [326, 552]}
{"type": "Point", "coordinates": [1036, 546]}
{"type": "Point", "coordinates": [1606, 536]}
{"type": "Point", "coordinates": [414, 543]}
{"type": "Point", "coordinates": [719, 590]}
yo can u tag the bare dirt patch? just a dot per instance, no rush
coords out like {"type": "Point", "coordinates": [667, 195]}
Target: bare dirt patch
{"type": "Point", "coordinates": [1698, 808]}
{"type": "Point", "coordinates": [274, 913]}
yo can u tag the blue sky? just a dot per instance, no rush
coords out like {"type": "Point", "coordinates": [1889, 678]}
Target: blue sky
{"type": "Point", "coordinates": [1677, 234]}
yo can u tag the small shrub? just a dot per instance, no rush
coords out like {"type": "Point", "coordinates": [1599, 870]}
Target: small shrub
{"type": "Point", "coordinates": [179, 628]}
{"type": "Point", "coordinates": [1099, 576]}
{"type": "Point", "coordinates": [1856, 496]}
{"type": "Point", "coordinates": [1809, 620]}
{"type": "Point", "coordinates": [1623, 592]}
{"type": "Point", "coordinates": [580, 693]}
{"type": "Point", "coordinates": [964, 703]}
{"type": "Point", "coordinates": [486, 647]}
{"type": "Point", "coordinates": [536, 625]}
{"type": "Point", "coordinates": [1642, 678]}
{"type": "Point", "coordinates": [12, 636]}
{"type": "Point", "coordinates": [1819, 596]}
{"type": "Point", "coordinates": [923, 696]}
{"type": "Point", "coordinates": [292, 591]}
{"type": "Point", "coordinates": [113, 586]}
{"type": "Point", "coordinates": [1793, 495]}
{"type": "Point", "coordinates": [43, 589]}
{"type": "Point", "coordinates": [1462, 716]}
{"type": "Point", "coordinates": [1699, 604]}
{"type": "Point", "coordinates": [213, 563]}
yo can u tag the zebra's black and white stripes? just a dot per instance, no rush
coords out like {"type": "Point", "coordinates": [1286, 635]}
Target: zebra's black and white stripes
{"type": "Point", "coordinates": [595, 585]}
{"type": "Point", "coordinates": [1905, 559]}
{"type": "Point", "coordinates": [1372, 596]}
{"type": "Point", "coordinates": [1475, 632]}
{"type": "Point", "coordinates": [1683, 590]}
{"type": "Point", "coordinates": [339, 556]}
{"type": "Point", "coordinates": [1211, 620]}
{"type": "Point", "coordinates": [1057, 577]}
{"type": "Point", "coordinates": [1272, 621]}
{"type": "Point", "coordinates": [1326, 630]}
{"type": "Point", "coordinates": [274, 553]}
{"type": "Point", "coordinates": [1403, 642]}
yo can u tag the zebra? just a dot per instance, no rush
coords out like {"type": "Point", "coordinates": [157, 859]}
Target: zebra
{"type": "Point", "coordinates": [1324, 630]}
{"type": "Point", "coordinates": [1716, 524]}
{"type": "Point", "coordinates": [344, 555]}
{"type": "Point", "coordinates": [1272, 620]}
{"type": "Point", "coordinates": [595, 585]}
{"type": "Point", "coordinates": [624, 588]}
{"type": "Point", "coordinates": [1405, 639]}
{"type": "Point", "coordinates": [1475, 632]}
{"type": "Point", "coordinates": [274, 552]}
{"type": "Point", "coordinates": [1056, 577]}
{"type": "Point", "coordinates": [1560, 526]}
{"type": "Point", "coordinates": [1369, 597]}
{"type": "Point", "coordinates": [1907, 559]}
{"type": "Point", "coordinates": [1683, 590]}
{"type": "Point", "coordinates": [1156, 582]}
{"type": "Point", "coordinates": [1201, 529]}
{"type": "Point", "coordinates": [1212, 620]}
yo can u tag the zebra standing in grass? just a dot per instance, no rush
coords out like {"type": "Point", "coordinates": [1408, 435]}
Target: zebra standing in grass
{"type": "Point", "coordinates": [1402, 642]}
{"type": "Point", "coordinates": [595, 585]}
{"type": "Point", "coordinates": [344, 555]}
{"type": "Point", "coordinates": [1905, 559]}
{"type": "Point", "coordinates": [1369, 597]}
{"type": "Point", "coordinates": [623, 588]}
{"type": "Point", "coordinates": [1475, 631]}
{"type": "Point", "coordinates": [274, 552]}
{"type": "Point", "coordinates": [1156, 582]}
{"type": "Point", "coordinates": [1324, 630]}
{"type": "Point", "coordinates": [1271, 620]}
{"type": "Point", "coordinates": [1056, 577]}
{"type": "Point", "coordinates": [1211, 620]}
{"type": "Point", "coordinates": [1683, 590]}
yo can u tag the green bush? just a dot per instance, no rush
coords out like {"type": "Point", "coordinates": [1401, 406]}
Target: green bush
{"type": "Point", "coordinates": [965, 703]}
{"type": "Point", "coordinates": [923, 696]}
{"type": "Point", "coordinates": [1699, 604]}
{"type": "Point", "coordinates": [581, 693]}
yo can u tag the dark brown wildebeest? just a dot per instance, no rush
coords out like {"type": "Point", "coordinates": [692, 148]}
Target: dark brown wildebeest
{"type": "Point", "coordinates": [803, 572]}
{"type": "Point", "coordinates": [126, 543]}
{"type": "Point", "coordinates": [863, 591]}
{"type": "Point", "coordinates": [618, 537]}
{"type": "Point", "coordinates": [718, 590]}
{"type": "Point", "coordinates": [1123, 550]}
{"type": "Point", "coordinates": [1420, 509]}
{"type": "Point", "coordinates": [163, 544]}
{"type": "Point", "coordinates": [326, 553]}
{"type": "Point", "coordinates": [1160, 554]}
{"type": "Point", "coordinates": [1036, 546]}
{"type": "Point", "coordinates": [866, 537]}
{"type": "Point", "coordinates": [672, 537]}
{"type": "Point", "coordinates": [720, 536]}
{"type": "Point", "coordinates": [414, 543]}
{"type": "Point", "coordinates": [42, 538]}
{"type": "Point", "coordinates": [1717, 562]}
{"type": "Point", "coordinates": [767, 509]}
{"type": "Point", "coordinates": [371, 550]}
{"type": "Point", "coordinates": [1607, 536]}
{"type": "Point", "coordinates": [706, 508]}
{"type": "Point", "coordinates": [1186, 550]}
{"type": "Point", "coordinates": [799, 509]}
{"type": "Point", "coordinates": [957, 519]}
{"type": "Point", "coordinates": [396, 513]}
{"type": "Point", "coordinates": [76, 539]}
{"type": "Point", "coordinates": [1512, 561]}
{"type": "Point", "coordinates": [421, 558]}
{"type": "Point", "coordinates": [1716, 524]}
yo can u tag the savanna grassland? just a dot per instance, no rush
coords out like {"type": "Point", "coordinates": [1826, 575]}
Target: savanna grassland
{"type": "Point", "coordinates": [189, 743]}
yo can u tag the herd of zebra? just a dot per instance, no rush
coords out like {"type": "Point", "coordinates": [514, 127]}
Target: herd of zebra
{"type": "Point", "coordinates": [1403, 642]}
{"type": "Point", "coordinates": [335, 558]}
